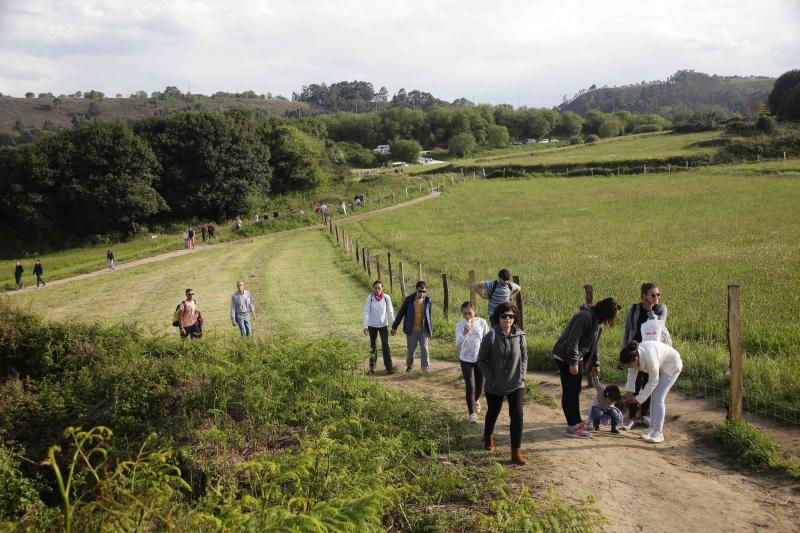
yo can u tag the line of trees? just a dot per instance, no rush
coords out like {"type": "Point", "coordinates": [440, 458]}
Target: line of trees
{"type": "Point", "coordinates": [107, 178]}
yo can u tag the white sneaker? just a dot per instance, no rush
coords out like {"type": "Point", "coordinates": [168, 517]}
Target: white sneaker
{"type": "Point", "coordinates": [477, 406]}
{"type": "Point", "coordinates": [655, 438]}
{"type": "Point", "coordinates": [646, 434]}
{"type": "Point", "coordinates": [627, 426]}
{"type": "Point", "coordinates": [473, 419]}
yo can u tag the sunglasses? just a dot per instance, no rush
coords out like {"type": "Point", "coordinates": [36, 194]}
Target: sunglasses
{"type": "Point", "coordinates": [508, 316]}
{"type": "Point", "coordinates": [421, 290]}
{"type": "Point", "coordinates": [656, 295]}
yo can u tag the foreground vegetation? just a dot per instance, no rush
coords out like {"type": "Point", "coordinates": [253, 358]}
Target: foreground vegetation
{"type": "Point", "coordinates": [278, 434]}
{"type": "Point", "coordinates": [693, 234]}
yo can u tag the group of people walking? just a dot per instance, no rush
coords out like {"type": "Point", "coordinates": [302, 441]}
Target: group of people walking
{"type": "Point", "coordinates": [38, 271]}
{"type": "Point", "coordinates": [190, 320]}
{"type": "Point", "coordinates": [493, 357]}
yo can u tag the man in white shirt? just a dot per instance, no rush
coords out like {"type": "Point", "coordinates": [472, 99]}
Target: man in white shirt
{"type": "Point", "coordinates": [241, 307]}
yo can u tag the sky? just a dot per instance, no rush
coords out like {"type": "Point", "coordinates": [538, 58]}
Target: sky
{"type": "Point", "coordinates": [522, 52]}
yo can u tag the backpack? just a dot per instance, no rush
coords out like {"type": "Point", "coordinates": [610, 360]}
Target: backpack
{"type": "Point", "coordinates": [495, 287]}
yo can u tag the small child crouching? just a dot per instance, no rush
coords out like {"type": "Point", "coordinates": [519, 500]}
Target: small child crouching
{"type": "Point", "coordinates": [603, 405]}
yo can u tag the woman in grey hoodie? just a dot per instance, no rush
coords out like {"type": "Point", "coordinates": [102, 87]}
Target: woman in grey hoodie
{"type": "Point", "coordinates": [503, 360]}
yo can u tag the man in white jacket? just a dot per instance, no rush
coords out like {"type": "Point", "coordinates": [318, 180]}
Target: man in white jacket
{"type": "Point", "coordinates": [378, 315]}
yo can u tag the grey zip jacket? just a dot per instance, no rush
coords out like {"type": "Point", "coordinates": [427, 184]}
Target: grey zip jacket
{"type": "Point", "coordinates": [503, 361]}
{"type": "Point", "coordinates": [580, 338]}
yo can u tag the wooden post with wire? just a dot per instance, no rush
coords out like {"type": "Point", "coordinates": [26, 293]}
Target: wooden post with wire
{"type": "Point", "coordinates": [402, 280]}
{"type": "Point", "coordinates": [419, 272]}
{"type": "Point", "coordinates": [735, 348]}
{"type": "Point", "coordinates": [518, 303]}
{"type": "Point", "coordinates": [471, 281]}
{"type": "Point", "coordinates": [358, 259]}
{"type": "Point", "coordinates": [588, 294]}
{"type": "Point", "coordinates": [446, 302]}
{"type": "Point", "coordinates": [391, 283]}
{"type": "Point", "coordinates": [377, 267]}
{"type": "Point", "coordinates": [369, 264]}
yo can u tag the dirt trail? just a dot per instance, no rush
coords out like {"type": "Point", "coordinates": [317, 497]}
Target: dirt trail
{"type": "Point", "coordinates": [673, 486]}
{"type": "Point", "coordinates": [205, 247]}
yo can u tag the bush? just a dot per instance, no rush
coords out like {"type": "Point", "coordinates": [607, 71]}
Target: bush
{"type": "Point", "coordinates": [405, 150]}
{"type": "Point", "coordinates": [576, 139]}
{"type": "Point", "coordinates": [461, 144]}
{"type": "Point", "coordinates": [589, 139]}
{"type": "Point", "coordinates": [646, 128]}
{"type": "Point", "coordinates": [17, 493]}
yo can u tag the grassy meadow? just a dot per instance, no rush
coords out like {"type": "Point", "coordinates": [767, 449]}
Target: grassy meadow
{"type": "Point", "coordinates": [693, 234]}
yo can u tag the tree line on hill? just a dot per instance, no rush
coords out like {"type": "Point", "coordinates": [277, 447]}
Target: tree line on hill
{"type": "Point", "coordinates": [106, 178]}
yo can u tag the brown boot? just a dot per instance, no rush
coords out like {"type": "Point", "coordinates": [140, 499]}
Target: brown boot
{"type": "Point", "coordinates": [488, 444]}
{"type": "Point", "coordinates": [517, 458]}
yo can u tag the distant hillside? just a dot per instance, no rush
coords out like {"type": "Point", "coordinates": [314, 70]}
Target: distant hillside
{"type": "Point", "coordinates": [684, 91]}
{"type": "Point", "coordinates": [63, 111]}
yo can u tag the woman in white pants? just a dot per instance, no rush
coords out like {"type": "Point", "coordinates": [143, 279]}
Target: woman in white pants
{"type": "Point", "coordinates": [663, 365]}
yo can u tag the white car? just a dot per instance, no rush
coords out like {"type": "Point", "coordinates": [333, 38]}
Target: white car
{"type": "Point", "coordinates": [544, 141]}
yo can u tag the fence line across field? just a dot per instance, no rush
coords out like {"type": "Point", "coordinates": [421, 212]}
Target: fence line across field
{"type": "Point", "coordinates": [723, 387]}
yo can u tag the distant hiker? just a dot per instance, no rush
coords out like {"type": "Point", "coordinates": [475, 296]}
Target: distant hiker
{"type": "Point", "coordinates": [503, 358]}
{"type": "Point", "coordinates": [603, 407]}
{"type": "Point", "coordinates": [255, 218]}
{"type": "Point", "coordinates": [649, 316]}
{"type": "Point", "coordinates": [212, 231]}
{"type": "Point", "coordinates": [274, 214]}
{"type": "Point", "coordinates": [343, 208]}
{"type": "Point", "coordinates": [470, 331]}
{"type": "Point", "coordinates": [415, 313]}
{"type": "Point", "coordinates": [18, 275]}
{"type": "Point", "coordinates": [498, 291]}
{"type": "Point", "coordinates": [191, 238]}
{"type": "Point", "coordinates": [663, 365]}
{"type": "Point", "coordinates": [38, 270]}
{"type": "Point", "coordinates": [323, 208]}
{"type": "Point", "coordinates": [110, 261]}
{"type": "Point", "coordinates": [378, 314]}
{"type": "Point", "coordinates": [578, 345]}
{"type": "Point", "coordinates": [204, 232]}
{"type": "Point", "coordinates": [241, 307]}
{"type": "Point", "coordinates": [237, 223]}
{"type": "Point", "coordinates": [188, 316]}
{"type": "Point", "coordinates": [186, 239]}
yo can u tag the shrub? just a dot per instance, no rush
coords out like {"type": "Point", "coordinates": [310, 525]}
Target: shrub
{"type": "Point", "coordinates": [17, 493]}
{"type": "Point", "coordinates": [576, 139]}
{"type": "Point", "coordinates": [646, 128]}
{"type": "Point", "coordinates": [589, 139]}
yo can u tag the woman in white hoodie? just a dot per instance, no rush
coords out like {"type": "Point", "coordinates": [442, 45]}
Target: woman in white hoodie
{"type": "Point", "coordinates": [663, 365]}
{"type": "Point", "coordinates": [470, 331]}
{"type": "Point", "coordinates": [378, 315]}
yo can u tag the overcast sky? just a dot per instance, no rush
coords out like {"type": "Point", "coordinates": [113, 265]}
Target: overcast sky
{"type": "Point", "coordinates": [522, 52]}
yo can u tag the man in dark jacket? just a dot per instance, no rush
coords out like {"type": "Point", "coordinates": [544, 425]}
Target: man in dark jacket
{"type": "Point", "coordinates": [18, 275]}
{"type": "Point", "coordinates": [415, 313]}
{"type": "Point", "coordinates": [38, 270]}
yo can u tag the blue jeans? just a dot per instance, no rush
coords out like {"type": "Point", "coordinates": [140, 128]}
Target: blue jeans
{"type": "Point", "coordinates": [243, 321]}
{"type": "Point", "coordinates": [657, 407]}
{"type": "Point", "coordinates": [597, 414]}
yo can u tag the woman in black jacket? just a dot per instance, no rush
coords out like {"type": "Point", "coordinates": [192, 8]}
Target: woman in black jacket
{"type": "Point", "coordinates": [503, 360]}
{"type": "Point", "coordinates": [576, 346]}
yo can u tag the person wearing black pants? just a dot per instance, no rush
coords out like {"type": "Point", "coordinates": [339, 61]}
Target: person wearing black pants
{"type": "Point", "coordinates": [470, 331]}
{"type": "Point", "coordinates": [579, 343]}
{"type": "Point", "coordinates": [503, 359]}
{"type": "Point", "coordinates": [378, 314]}
{"type": "Point", "coordinates": [38, 269]}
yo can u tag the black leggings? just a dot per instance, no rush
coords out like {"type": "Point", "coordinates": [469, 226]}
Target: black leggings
{"type": "Point", "coordinates": [373, 348]}
{"type": "Point", "coordinates": [473, 379]}
{"type": "Point", "coordinates": [570, 393]}
{"type": "Point", "coordinates": [644, 409]}
{"type": "Point", "coordinates": [495, 404]}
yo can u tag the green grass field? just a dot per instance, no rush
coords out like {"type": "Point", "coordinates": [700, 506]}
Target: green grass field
{"type": "Point", "coordinates": [629, 147]}
{"type": "Point", "coordinates": [693, 234]}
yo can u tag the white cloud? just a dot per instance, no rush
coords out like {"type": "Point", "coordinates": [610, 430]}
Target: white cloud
{"type": "Point", "coordinates": [520, 52]}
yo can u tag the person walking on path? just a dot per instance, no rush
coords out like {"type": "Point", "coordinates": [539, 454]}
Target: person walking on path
{"type": "Point", "coordinates": [212, 231]}
{"type": "Point", "coordinates": [470, 331]}
{"type": "Point", "coordinates": [110, 261]}
{"type": "Point", "coordinates": [415, 313]}
{"type": "Point", "coordinates": [191, 238]}
{"type": "Point", "coordinates": [503, 359]}
{"type": "Point", "coordinates": [38, 270]}
{"type": "Point", "coordinates": [188, 317]}
{"type": "Point", "coordinates": [241, 307]}
{"type": "Point", "coordinates": [663, 365]}
{"type": "Point", "coordinates": [186, 239]}
{"type": "Point", "coordinates": [237, 224]}
{"type": "Point", "coordinates": [204, 232]}
{"type": "Point", "coordinates": [649, 315]}
{"type": "Point", "coordinates": [18, 276]}
{"type": "Point", "coordinates": [378, 314]}
{"type": "Point", "coordinates": [498, 291]}
{"type": "Point", "coordinates": [577, 345]}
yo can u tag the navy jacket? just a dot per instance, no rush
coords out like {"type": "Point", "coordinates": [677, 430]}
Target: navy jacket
{"type": "Point", "coordinates": [407, 312]}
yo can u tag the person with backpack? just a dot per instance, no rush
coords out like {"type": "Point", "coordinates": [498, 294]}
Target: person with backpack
{"type": "Point", "coordinates": [38, 270]}
{"type": "Point", "coordinates": [212, 231]}
{"type": "Point", "coordinates": [110, 261]}
{"type": "Point", "coordinates": [241, 307]}
{"type": "Point", "coordinates": [576, 347]}
{"type": "Point", "coordinates": [191, 238]}
{"type": "Point", "coordinates": [203, 232]}
{"type": "Point", "coordinates": [498, 291]}
{"type": "Point", "coordinates": [378, 314]}
{"type": "Point", "coordinates": [187, 318]}
{"type": "Point", "coordinates": [415, 313]}
{"type": "Point", "coordinates": [18, 270]}
{"type": "Point", "coordinates": [503, 359]}
{"type": "Point", "coordinates": [470, 331]}
{"type": "Point", "coordinates": [649, 316]}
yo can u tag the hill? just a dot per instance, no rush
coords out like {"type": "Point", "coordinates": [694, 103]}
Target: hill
{"type": "Point", "coordinates": [685, 91]}
{"type": "Point", "coordinates": [63, 111]}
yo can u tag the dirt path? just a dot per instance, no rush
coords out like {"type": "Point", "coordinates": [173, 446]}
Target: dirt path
{"type": "Point", "coordinates": [674, 486]}
{"type": "Point", "coordinates": [206, 247]}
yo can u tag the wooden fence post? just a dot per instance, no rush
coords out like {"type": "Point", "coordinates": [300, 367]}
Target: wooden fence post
{"type": "Point", "coordinates": [784, 156]}
{"type": "Point", "coordinates": [364, 258]}
{"type": "Point", "coordinates": [402, 280]}
{"type": "Point", "coordinates": [377, 267]}
{"type": "Point", "coordinates": [358, 258]}
{"type": "Point", "coordinates": [735, 348]}
{"type": "Point", "coordinates": [518, 302]}
{"type": "Point", "coordinates": [406, 192]}
{"type": "Point", "coordinates": [471, 281]}
{"type": "Point", "coordinates": [369, 264]}
{"type": "Point", "coordinates": [645, 169]}
{"type": "Point", "coordinates": [589, 294]}
{"type": "Point", "coordinates": [446, 302]}
{"type": "Point", "coordinates": [337, 234]}
{"type": "Point", "coordinates": [391, 283]}
{"type": "Point", "coordinates": [419, 272]}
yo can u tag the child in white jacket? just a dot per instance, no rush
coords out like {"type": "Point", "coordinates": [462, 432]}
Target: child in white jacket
{"type": "Point", "coordinates": [378, 315]}
{"type": "Point", "coordinates": [663, 365]}
{"type": "Point", "coordinates": [470, 331]}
